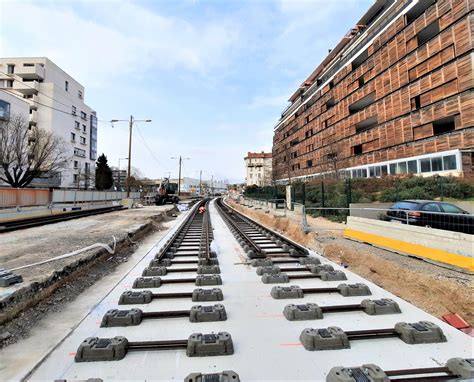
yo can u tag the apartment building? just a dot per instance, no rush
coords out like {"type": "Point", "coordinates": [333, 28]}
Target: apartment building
{"type": "Point", "coordinates": [394, 97]}
{"type": "Point", "coordinates": [258, 168]}
{"type": "Point", "coordinates": [120, 178]}
{"type": "Point", "coordinates": [56, 103]}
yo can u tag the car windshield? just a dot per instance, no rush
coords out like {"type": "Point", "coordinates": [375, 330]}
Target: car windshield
{"type": "Point", "coordinates": [449, 208]}
{"type": "Point", "coordinates": [405, 205]}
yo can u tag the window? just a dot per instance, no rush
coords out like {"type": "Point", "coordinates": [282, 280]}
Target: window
{"type": "Point", "coordinates": [331, 84]}
{"type": "Point", "coordinates": [83, 140]}
{"type": "Point", "coordinates": [357, 149]}
{"type": "Point", "coordinates": [384, 169]}
{"type": "Point", "coordinates": [77, 125]}
{"type": "Point", "coordinates": [76, 178]}
{"type": "Point", "coordinates": [66, 86]}
{"type": "Point", "coordinates": [83, 115]}
{"type": "Point", "coordinates": [10, 69]}
{"type": "Point", "coordinates": [415, 103]}
{"type": "Point", "coordinates": [84, 128]}
{"type": "Point", "coordinates": [412, 167]}
{"type": "Point", "coordinates": [366, 124]}
{"type": "Point", "coordinates": [401, 167]}
{"type": "Point", "coordinates": [308, 133]}
{"type": "Point", "coordinates": [444, 125]}
{"type": "Point", "coordinates": [76, 164]}
{"type": "Point", "coordinates": [73, 137]}
{"type": "Point", "coordinates": [362, 103]}
{"type": "Point", "coordinates": [360, 59]}
{"type": "Point", "coordinates": [9, 83]}
{"type": "Point", "coordinates": [330, 103]}
{"type": "Point", "coordinates": [449, 162]}
{"type": "Point", "coordinates": [418, 9]}
{"type": "Point", "coordinates": [437, 164]}
{"type": "Point", "coordinates": [309, 163]}
{"type": "Point", "coordinates": [361, 81]}
{"type": "Point", "coordinates": [28, 64]}
{"type": "Point", "coordinates": [451, 209]}
{"type": "Point", "coordinates": [74, 110]}
{"type": "Point", "coordinates": [425, 165]}
{"type": "Point", "coordinates": [433, 207]}
{"type": "Point", "coordinates": [79, 152]}
{"type": "Point", "coordinates": [428, 33]}
{"type": "Point", "coordinates": [79, 94]}
{"type": "Point", "coordinates": [4, 110]}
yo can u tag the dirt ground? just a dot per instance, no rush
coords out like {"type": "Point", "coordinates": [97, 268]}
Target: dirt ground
{"type": "Point", "coordinates": [430, 287]}
{"type": "Point", "coordinates": [48, 287]}
{"type": "Point", "coordinates": [19, 248]}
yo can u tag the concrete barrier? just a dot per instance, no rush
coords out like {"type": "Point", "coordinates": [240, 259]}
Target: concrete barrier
{"type": "Point", "coordinates": [453, 249]}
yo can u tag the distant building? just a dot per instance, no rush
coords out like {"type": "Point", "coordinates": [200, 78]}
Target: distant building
{"type": "Point", "coordinates": [120, 177]}
{"type": "Point", "coordinates": [258, 168]}
{"type": "Point", "coordinates": [393, 97]}
{"type": "Point", "coordinates": [56, 103]}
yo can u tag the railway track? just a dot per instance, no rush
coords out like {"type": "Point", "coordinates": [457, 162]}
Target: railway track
{"type": "Point", "coordinates": [14, 225]}
{"type": "Point", "coordinates": [196, 311]}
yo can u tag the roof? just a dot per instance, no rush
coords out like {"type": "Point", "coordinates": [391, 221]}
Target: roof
{"type": "Point", "coordinates": [258, 155]}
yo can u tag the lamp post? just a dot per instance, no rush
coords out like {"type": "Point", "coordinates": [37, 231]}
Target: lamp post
{"type": "Point", "coordinates": [179, 174]}
{"type": "Point", "coordinates": [119, 175]}
{"type": "Point", "coordinates": [130, 125]}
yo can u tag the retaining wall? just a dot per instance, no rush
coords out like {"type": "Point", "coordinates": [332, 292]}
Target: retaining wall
{"type": "Point", "coordinates": [449, 248]}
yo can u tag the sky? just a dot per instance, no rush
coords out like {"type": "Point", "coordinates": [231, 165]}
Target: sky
{"type": "Point", "coordinates": [212, 75]}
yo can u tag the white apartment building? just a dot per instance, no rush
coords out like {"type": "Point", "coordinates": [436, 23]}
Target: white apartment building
{"type": "Point", "coordinates": [258, 169]}
{"type": "Point", "coordinates": [56, 103]}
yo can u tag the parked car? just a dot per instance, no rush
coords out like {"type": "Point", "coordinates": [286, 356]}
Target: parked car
{"type": "Point", "coordinates": [433, 214]}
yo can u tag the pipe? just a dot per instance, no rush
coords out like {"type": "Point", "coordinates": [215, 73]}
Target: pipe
{"type": "Point", "coordinates": [66, 255]}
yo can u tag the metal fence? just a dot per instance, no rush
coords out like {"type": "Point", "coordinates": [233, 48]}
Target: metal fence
{"type": "Point", "coordinates": [80, 196]}
{"type": "Point", "coordinates": [22, 197]}
{"type": "Point", "coordinates": [456, 222]}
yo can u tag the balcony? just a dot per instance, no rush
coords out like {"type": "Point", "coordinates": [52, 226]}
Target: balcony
{"type": "Point", "coordinates": [34, 72]}
{"type": "Point", "coordinates": [33, 101]}
{"type": "Point", "coordinates": [30, 87]}
{"type": "Point", "coordinates": [33, 117]}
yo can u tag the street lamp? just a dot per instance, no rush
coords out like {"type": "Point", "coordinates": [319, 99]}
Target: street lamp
{"type": "Point", "coordinates": [130, 124]}
{"type": "Point", "coordinates": [119, 175]}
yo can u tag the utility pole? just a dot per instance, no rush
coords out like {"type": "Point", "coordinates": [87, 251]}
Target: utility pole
{"type": "Point", "coordinates": [212, 185]}
{"type": "Point", "coordinates": [130, 125]}
{"type": "Point", "coordinates": [179, 173]}
{"type": "Point", "coordinates": [200, 182]}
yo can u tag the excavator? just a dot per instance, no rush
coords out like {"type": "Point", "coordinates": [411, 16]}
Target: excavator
{"type": "Point", "coordinates": [167, 193]}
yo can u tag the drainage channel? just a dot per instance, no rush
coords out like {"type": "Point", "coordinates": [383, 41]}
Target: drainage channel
{"type": "Point", "coordinates": [186, 313]}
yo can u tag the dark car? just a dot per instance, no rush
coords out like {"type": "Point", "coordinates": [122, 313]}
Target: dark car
{"type": "Point", "coordinates": [429, 213]}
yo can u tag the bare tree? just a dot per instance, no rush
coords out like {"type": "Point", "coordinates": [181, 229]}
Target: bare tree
{"type": "Point", "coordinates": [26, 154]}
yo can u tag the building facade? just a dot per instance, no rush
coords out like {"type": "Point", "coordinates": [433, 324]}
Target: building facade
{"type": "Point", "coordinates": [258, 169]}
{"type": "Point", "coordinates": [120, 178]}
{"type": "Point", "coordinates": [56, 103]}
{"type": "Point", "coordinates": [394, 97]}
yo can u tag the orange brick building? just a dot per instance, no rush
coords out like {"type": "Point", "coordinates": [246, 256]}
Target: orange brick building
{"type": "Point", "coordinates": [395, 96]}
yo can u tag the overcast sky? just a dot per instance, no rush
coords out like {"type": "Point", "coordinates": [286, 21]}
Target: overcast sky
{"type": "Point", "coordinates": [213, 75]}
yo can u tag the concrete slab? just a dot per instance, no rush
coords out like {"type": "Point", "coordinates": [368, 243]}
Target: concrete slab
{"type": "Point", "coordinates": [266, 344]}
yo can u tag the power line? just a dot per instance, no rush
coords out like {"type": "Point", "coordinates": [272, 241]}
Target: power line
{"type": "Point", "coordinates": [147, 147]}
{"type": "Point", "coordinates": [46, 95]}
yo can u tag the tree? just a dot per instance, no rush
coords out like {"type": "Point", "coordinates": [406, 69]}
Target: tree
{"type": "Point", "coordinates": [27, 153]}
{"type": "Point", "coordinates": [103, 174]}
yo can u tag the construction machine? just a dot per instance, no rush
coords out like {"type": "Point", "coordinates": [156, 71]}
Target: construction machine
{"type": "Point", "coordinates": [167, 193]}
